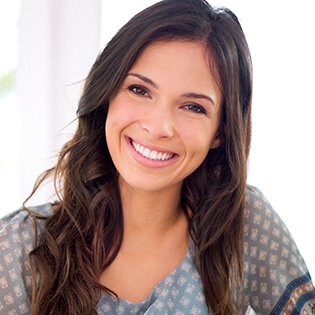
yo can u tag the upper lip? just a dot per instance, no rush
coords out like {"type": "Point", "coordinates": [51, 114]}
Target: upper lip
{"type": "Point", "coordinates": [150, 146]}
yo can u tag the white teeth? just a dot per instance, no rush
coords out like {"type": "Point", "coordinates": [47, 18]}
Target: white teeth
{"type": "Point", "coordinates": [141, 150]}
{"type": "Point", "coordinates": [146, 153]}
{"type": "Point", "coordinates": [152, 155]}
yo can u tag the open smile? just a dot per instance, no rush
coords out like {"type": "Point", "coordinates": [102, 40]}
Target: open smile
{"type": "Point", "coordinates": [149, 155]}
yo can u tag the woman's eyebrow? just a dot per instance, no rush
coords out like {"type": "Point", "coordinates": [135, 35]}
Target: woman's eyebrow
{"type": "Point", "coordinates": [196, 95]}
{"type": "Point", "coordinates": [143, 78]}
{"type": "Point", "coordinates": [188, 95]}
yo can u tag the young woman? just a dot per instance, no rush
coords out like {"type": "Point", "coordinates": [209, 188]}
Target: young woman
{"type": "Point", "coordinates": [154, 215]}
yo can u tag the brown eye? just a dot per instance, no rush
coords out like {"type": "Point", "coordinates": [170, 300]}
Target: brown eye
{"type": "Point", "coordinates": [138, 90]}
{"type": "Point", "coordinates": [196, 108]}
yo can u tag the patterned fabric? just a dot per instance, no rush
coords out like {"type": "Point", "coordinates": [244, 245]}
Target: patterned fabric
{"type": "Point", "coordinates": [179, 293]}
{"type": "Point", "coordinates": [276, 280]}
{"type": "Point", "coordinates": [16, 241]}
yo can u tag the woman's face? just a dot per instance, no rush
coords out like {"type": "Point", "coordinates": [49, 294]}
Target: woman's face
{"type": "Point", "coordinates": [165, 116]}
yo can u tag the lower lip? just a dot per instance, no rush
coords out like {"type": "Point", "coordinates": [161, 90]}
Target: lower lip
{"type": "Point", "coordinates": [147, 162]}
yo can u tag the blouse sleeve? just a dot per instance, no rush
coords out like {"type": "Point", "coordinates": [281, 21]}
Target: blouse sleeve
{"type": "Point", "coordinates": [276, 279]}
{"type": "Point", "coordinates": [17, 240]}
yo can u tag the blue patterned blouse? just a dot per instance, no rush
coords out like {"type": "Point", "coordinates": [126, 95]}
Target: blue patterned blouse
{"type": "Point", "coordinates": [276, 280]}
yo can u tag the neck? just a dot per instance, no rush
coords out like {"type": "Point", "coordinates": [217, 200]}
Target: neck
{"type": "Point", "coordinates": [151, 217]}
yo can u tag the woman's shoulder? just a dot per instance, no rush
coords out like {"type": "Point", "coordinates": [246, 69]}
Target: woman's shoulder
{"type": "Point", "coordinates": [17, 240]}
{"type": "Point", "coordinates": [263, 226]}
{"type": "Point", "coordinates": [21, 222]}
{"type": "Point", "coordinates": [276, 278]}
{"type": "Point", "coordinates": [17, 232]}
{"type": "Point", "coordinates": [260, 215]}
{"type": "Point", "coordinates": [266, 234]}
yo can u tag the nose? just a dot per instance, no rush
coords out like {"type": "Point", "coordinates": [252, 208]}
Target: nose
{"type": "Point", "coordinates": [159, 122]}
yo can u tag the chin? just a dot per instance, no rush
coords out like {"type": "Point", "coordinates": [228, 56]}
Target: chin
{"type": "Point", "coordinates": [149, 185]}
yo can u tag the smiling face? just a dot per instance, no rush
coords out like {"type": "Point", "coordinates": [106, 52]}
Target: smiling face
{"type": "Point", "coordinates": [165, 116]}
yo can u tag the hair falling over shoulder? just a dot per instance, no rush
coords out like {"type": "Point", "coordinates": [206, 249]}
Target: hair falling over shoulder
{"type": "Point", "coordinates": [84, 234]}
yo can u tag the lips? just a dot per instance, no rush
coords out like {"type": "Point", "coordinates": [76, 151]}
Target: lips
{"type": "Point", "coordinates": [151, 154]}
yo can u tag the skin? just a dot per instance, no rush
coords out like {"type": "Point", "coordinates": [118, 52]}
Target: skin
{"type": "Point", "coordinates": [169, 103]}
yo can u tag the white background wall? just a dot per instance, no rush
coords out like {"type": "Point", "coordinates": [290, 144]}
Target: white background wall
{"type": "Point", "coordinates": [58, 42]}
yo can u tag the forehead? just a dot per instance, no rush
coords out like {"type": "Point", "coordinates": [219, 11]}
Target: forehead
{"type": "Point", "coordinates": [178, 48]}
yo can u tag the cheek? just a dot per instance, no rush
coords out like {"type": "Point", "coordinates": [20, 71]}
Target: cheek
{"type": "Point", "coordinates": [197, 139]}
{"type": "Point", "coordinates": [121, 113]}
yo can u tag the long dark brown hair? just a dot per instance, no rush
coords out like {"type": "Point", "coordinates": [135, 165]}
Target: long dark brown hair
{"type": "Point", "coordinates": [84, 234]}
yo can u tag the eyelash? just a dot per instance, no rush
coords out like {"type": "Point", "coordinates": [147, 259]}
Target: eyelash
{"type": "Point", "coordinates": [142, 92]}
{"type": "Point", "coordinates": [135, 89]}
{"type": "Point", "coordinates": [197, 108]}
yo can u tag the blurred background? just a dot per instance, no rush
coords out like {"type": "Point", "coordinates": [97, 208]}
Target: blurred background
{"type": "Point", "coordinates": [48, 46]}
